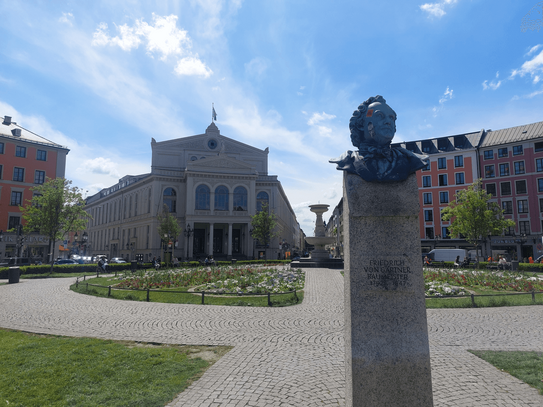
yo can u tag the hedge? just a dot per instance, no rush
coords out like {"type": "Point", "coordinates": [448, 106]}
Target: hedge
{"type": "Point", "coordinates": [112, 267]}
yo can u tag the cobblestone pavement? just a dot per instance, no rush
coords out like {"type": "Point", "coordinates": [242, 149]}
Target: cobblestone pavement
{"type": "Point", "coordinates": [289, 356]}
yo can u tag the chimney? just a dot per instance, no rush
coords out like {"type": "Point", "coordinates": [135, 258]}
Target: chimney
{"type": "Point", "coordinates": [7, 120]}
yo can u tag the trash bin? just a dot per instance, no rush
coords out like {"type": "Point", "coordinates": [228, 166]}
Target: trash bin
{"type": "Point", "coordinates": [13, 275]}
{"type": "Point", "coordinates": [133, 265]}
{"type": "Point", "coordinates": [514, 265]}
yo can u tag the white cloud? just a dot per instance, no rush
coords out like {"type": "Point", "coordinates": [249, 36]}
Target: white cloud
{"type": "Point", "coordinates": [533, 49]}
{"type": "Point", "coordinates": [161, 37]}
{"type": "Point", "coordinates": [492, 84]}
{"type": "Point", "coordinates": [192, 66]}
{"type": "Point", "coordinates": [437, 9]}
{"type": "Point", "coordinates": [532, 67]}
{"type": "Point", "coordinates": [66, 18]}
{"type": "Point", "coordinates": [256, 67]}
{"type": "Point", "coordinates": [100, 165]}
{"type": "Point", "coordinates": [448, 95]}
{"type": "Point", "coordinates": [318, 117]}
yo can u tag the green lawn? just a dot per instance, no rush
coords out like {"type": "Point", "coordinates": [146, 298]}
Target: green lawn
{"type": "Point", "coordinates": [525, 366]}
{"type": "Point", "coordinates": [486, 301]}
{"type": "Point", "coordinates": [40, 370]}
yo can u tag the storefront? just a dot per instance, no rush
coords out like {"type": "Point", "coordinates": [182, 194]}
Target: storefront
{"type": "Point", "coordinates": [514, 248]}
{"type": "Point", "coordinates": [34, 247]}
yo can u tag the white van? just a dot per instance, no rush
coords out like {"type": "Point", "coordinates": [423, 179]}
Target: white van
{"type": "Point", "coordinates": [447, 254]}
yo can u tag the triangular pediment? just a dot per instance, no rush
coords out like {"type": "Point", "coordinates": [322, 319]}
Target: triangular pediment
{"type": "Point", "coordinates": [221, 164]}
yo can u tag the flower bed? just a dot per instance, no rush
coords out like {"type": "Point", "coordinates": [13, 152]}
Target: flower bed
{"type": "Point", "coordinates": [244, 279]}
{"type": "Point", "coordinates": [452, 282]}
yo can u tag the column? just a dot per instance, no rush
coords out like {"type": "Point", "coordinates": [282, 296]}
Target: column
{"type": "Point", "coordinates": [190, 242]}
{"type": "Point", "coordinates": [250, 245]}
{"type": "Point", "coordinates": [210, 247]}
{"type": "Point", "coordinates": [229, 238]}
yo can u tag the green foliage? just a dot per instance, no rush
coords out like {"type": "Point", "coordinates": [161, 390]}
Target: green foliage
{"type": "Point", "coordinates": [168, 226]}
{"type": "Point", "coordinates": [37, 370]}
{"type": "Point", "coordinates": [264, 224]}
{"type": "Point", "coordinates": [473, 216]}
{"type": "Point", "coordinates": [55, 209]}
{"type": "Point", "coordinates": [525, 366]}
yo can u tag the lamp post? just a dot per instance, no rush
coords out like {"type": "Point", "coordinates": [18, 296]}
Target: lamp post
{"type": "Point", "coordinates": [18, 242]}
{"type": "Point", "coordinates": [82, 242]}
{"type": "Point", "coordinates": [437, 238]}
{"type": "Point", "coordinates": [188, 233]}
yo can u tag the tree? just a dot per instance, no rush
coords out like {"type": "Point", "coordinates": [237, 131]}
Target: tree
{"type": "Point", "coordinates": [168, 227]}
{"type": "Point", "coordinates": [55, 209]}
{"type": "Point", "coordinates": [473, 216]}
{"type": "Point", "coordinates": [264, 223]}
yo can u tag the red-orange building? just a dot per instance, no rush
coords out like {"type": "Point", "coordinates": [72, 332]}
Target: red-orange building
{"type": "Point", "coordinates": [26, 160]}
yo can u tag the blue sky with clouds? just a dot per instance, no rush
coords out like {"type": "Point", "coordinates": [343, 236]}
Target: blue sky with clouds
{"type": "Point", "coordinates": [104, 77]}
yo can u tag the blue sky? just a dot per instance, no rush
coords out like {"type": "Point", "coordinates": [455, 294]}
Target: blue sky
{"type": "Point", "coordinates": [104, 77]}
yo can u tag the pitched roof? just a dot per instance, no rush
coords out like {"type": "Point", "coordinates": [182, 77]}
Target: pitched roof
{"type": "Point", "coordinates": [513, 134]}
{"type": "Point", "coordinates": [13, 131]}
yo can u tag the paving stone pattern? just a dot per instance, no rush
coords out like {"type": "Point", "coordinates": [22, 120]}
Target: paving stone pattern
{"type": "Point", "coordinates": [290, 356]}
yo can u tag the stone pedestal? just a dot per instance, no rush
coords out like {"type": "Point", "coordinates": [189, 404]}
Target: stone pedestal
{"type": "Point", "coordinates": [386, 334]}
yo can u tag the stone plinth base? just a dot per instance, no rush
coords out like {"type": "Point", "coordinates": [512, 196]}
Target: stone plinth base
{"type": "Point", "coordinates": [386, 334]}
{"type": "Point", "coordinates": [312, 263]}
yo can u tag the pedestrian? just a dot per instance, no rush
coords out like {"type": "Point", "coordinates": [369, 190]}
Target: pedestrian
{"type": "Point", "coordinates": [457, 261]}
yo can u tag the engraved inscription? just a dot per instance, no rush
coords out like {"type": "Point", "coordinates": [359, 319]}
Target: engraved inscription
{"type": "Point", "coordinates": [388, 274]}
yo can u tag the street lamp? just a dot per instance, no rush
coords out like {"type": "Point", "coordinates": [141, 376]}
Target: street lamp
{"type": "Point", "coordinates": [18, 242]}
{"type": "Point", "coordinates": [188, 233]}
{"type": "Point", "coordinates": [82, 242]}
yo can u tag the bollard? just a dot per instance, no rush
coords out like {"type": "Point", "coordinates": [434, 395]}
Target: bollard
{"type": "Point", "coordinates": [269, 300]}
{"type": "Point", "coordinates": [533, 296]}
{"type": "Point", "coordinates": [203, 293]}
{"type": "Point", "coordinates": [87, 287]}
{"type": "Point", "coordinates": [296, 295]}
{"type": "Point", "coordinates": [472, 300]}
{"type": "Point", "coordinates": [147, 295]}
{"type": "Point", "coordinates": [97, 272]}
{"type": "Point", "coordinates": [77, 282]}
{"type": "Point", "coordinates": [84, 277]}
{"type": "Point", "coordinates": [109, 291]}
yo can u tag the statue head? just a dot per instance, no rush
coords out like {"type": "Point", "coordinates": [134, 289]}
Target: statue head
{"type": "Point", "coordinates": [373, 123]}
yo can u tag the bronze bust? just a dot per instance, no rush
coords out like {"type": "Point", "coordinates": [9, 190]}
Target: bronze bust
{"type": "Point", "coordinates": [373, 126]}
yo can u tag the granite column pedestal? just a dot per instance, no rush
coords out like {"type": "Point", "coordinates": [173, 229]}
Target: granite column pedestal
{"type": "Point", "coordinates": [386, 333]}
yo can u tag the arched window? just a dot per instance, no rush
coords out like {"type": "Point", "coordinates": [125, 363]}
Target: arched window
{"type": "Point", "coordinates": [221, 198]}
{"type": "Point", "coordinates": [202, 197]}
{"type": "Point", "coordinates": [169, 199]}
{"type": "Point", "coordinates": [240, 199]}
{"type": "Point", "coordinates": [262, 199]}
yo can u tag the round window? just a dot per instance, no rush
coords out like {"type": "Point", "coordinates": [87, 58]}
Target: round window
{"type": "Point", "coordinates": [212, 144]}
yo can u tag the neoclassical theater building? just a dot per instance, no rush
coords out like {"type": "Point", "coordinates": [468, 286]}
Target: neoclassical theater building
{"type": "Point", "coordinates": [212, 183]}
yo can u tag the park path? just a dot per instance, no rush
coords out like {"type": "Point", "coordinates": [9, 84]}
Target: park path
{"type": "Point", "coordinates": [290, 356]}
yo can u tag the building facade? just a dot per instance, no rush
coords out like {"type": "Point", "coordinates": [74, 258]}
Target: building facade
{"type": "Point", "coordinates": [26, 160]}
{"type": "Point", "coordinates": [213, 184]}
{"type": "Point", "coordinates": [510, 164]}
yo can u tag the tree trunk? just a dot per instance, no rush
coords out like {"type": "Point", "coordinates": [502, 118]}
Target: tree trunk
{"type": "Point", "coordinates": [52, 253]}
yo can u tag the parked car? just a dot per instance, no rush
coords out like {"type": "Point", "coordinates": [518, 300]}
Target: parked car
{"type": "Point", "coordinates": [117, 260]}
{"type": "Point", "coordinates": [65, 261]}
{"type": "Point", "coordinates": [21, 261]}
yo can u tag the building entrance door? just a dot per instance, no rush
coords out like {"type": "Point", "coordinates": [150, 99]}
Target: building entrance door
{"type": "Point", "coordinates": [236, 241]}
{"type": "Point", "coordinates": [199, 241]}
{"type": "Point", "coordinates": [217, 241]}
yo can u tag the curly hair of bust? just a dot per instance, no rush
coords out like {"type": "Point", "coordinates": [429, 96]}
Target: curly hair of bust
{"type": "Point", "coordinates": [356, 124]}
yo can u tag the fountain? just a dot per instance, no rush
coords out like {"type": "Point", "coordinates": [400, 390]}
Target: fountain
{"type": "Point", "coordinates": [319, 257]}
